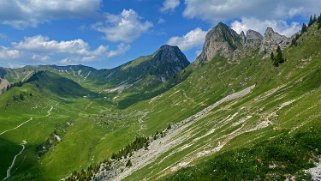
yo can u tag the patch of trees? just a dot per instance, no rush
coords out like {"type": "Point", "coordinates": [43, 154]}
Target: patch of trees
{"type": "Point", "coordinates": [278, 58]}
{"type": "Point", "coordinates": [313, 19]}
{"type": "Point", "coordinates": [319, 22]}
{"type": "Point", "coordinates": [138, 143]}
{"type": "Point", "coordinates": [84, 174]}
{"type": "Point", "coordinates": [21, 97]}
{"type": "Point", "coordinates": [16, 84]}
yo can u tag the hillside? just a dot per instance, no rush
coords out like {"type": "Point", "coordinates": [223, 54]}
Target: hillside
{"type": "Point", "coordinates": [237, 129]}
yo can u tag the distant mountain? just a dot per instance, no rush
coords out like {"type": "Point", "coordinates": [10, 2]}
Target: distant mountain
{"type": "Point", "coordinates": [61, 86]}
{"type": "Point", "coordinates": [161, 66]}
{"type": "Point", "coordinates": [145, 71]}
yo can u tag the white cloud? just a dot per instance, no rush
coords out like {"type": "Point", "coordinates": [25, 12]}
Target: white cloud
{"type": "Point", "coordinates": [44, 45]}
{"type": "Point", "coordinates": [41, 49]}
{"type": "Point", "coordinates": [26, 13]}
{"type": "Point", "coordinates": [41, 58]}
{"type": "Point", "coordinates": [121, 49]}
{"type": "Point", "coordinates": [222, 10]}
{"type": "Point", "coordinates": [125, 27]}
{"type": "Point", "coordinates": [193, 39]}
{"type": "Point", "coordinates": [6, 53]}
{"type": "Point", "coordinates": [170, 5]}
{"type": "Point", "coordinates": [279, 26]}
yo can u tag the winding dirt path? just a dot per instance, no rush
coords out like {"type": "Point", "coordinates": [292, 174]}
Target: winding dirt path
{"type": "Point", "coordinates": [14, 159]}
{"type": "Point", "coordinates": [16, 127]}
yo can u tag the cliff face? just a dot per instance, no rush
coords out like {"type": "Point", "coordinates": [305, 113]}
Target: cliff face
{"type": "Point", "coordinates": [220, 40]}
{"type": "Point", "coordinates": [272, 40]}
{"type": "Point", "coordinates": [224, 41]}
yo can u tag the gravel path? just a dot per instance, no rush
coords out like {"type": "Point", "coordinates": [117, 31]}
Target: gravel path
{"type": "Point", "coordinates": [14, 160]}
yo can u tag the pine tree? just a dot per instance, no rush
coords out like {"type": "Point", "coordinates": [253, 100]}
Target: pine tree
{"type": "Point", "coordinates": [310, 21]}
{"type": "Point", "coordinates": [129, 163]}
{"type": "Point", "coordinates": [304, 28]}
{"type": "Point", "coordinates": [272, 56]}
{"type": "Point", "coordinates": [279, 55]}
{"type": "Point", "coordinates": [319, 22]}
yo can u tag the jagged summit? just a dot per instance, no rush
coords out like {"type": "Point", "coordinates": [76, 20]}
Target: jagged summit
{"type": "Point", "coordinates": [224, 41]}
{"type": "Point", "coordinates": [221, 39]}
{"type": "Point", "coordinates": [272, 40]}
{"type": "Point", "coordinates": [253, 35]}
{"type": "Point", "coordinates": [170, 54]}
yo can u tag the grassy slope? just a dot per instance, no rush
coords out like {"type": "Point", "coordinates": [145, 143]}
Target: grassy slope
{"type": "Point", "coordinates": [297, 80]}
{"type": "Point", "coordinates": [86, 114]}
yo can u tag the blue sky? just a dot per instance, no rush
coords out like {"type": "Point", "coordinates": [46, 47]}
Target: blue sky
{"type": "Point", "coordinates": [107, 33]}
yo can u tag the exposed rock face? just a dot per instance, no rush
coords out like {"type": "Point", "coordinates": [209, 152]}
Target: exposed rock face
{"type": "Point", "coordinates": [251, 42]}
{"type": "Point", "coordinates": [224, 41]}
{"type": "Point", "coordinates": [220, 40]}
{"type": "Point", "coordinates": [243, 37]}
{"type": "Point", "coordinates": [253, 38]}
{"type": "Point", "coordinates": [162, 65]}
{"type": "Point", "coordinates": [3, 85]}
{"type": "Point", "coordinates": [272, 40]}
{"type": "Point", "coordinates": [169, 60]}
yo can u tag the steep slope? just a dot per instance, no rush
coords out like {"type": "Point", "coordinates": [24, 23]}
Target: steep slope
{"type": "Point", "coordinates": [280, 110]}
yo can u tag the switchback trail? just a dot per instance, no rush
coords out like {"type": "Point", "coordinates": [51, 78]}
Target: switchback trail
{"type": "Point", "coordinates": [16, 127]}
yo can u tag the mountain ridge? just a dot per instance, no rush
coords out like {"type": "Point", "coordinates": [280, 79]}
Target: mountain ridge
{"type": "Point", "coordinates": [222, 40]}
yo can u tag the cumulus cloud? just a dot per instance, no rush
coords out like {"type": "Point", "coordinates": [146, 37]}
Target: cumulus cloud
{"type": "Point", "coordinates": [41, 49]}
{"type": "Point", "coordinates": [169, 5]}
{"type": "Point", "coordinates": [124, 27]}
{"type": "Point", "coordinates": [253, 14]}
{"type": "Point", "coordinates": [26, 13]}
{"type": "Point", "coordinates": [279, 26]}
{"type": "Point", "coordinates": [193, 39]}
{"type": "Point", "coordinates": [221, 10]}
{"type": "Point", "coordinates": [6, 53]}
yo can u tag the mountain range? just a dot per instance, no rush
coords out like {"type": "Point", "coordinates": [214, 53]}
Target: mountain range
{"type": "Point", "coordinates": [231, 114]}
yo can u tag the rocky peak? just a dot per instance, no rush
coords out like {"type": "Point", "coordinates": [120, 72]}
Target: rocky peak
{"type": "Point", "coordinates": [163, 64]}
{"type": "Point", "coordinates": [170, 54]}
{"type": "Point", "coordinates": [224, 41]}
{"type": "Point", "coordinates": [243, 37]}
{"type": "Point", "coordinates": [272, 40]}
{"type": "Point", "coordinates": [253, 35]}
{"type": "Point", "coordinates": [269, 31]}
{"type": "Point", "coordinates": [220, 40]}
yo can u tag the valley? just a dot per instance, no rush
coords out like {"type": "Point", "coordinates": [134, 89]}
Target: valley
{"type": "Point", "coordinates": [234, 113]}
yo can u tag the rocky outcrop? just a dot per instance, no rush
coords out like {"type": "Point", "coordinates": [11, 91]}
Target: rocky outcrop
{"type": "Point", "coordinates": [169, 60]}
{"type": "Point", "coordinates": [250, 43]}
{"type": "Point", "coordinates": [224, 41]}
{"type": "Point", "coordinates": [220, 40]}
{"type": "Point", "coordinates": [272, 40]}
{"type": "Point", "coordinates": [253, 39]}
{"type": "Point", "coordinates": [3, 85]}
